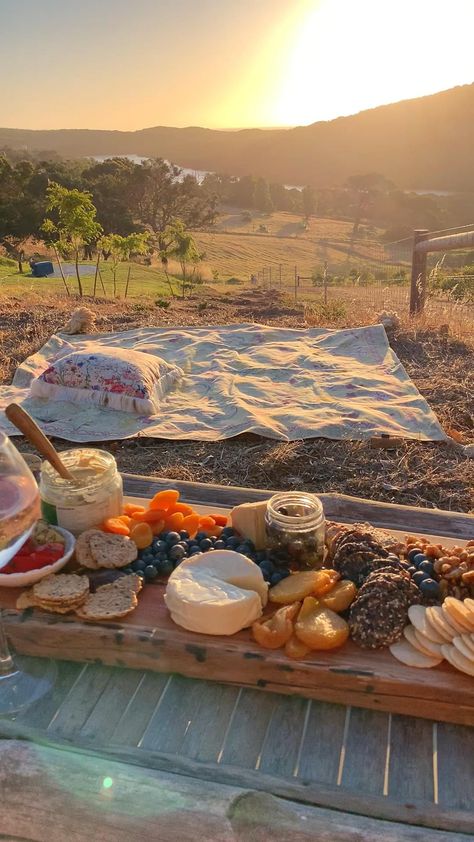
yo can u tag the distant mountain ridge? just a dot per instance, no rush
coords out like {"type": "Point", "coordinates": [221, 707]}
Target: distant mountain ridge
{"type": "Point", "coordinates": [423, 143]}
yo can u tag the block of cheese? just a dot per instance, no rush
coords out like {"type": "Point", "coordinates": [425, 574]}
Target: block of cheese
{"type": "Point", "coordinates": [248, 520]}
{"type": "Point", "coordinates": [218, 592]}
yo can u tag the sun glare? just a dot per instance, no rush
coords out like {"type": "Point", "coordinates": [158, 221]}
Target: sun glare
{"type": "Point", "coordinates": [347, 55]}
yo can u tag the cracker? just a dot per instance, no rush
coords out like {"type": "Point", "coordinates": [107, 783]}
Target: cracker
{"type": "Point", "coordinates": [417, 616]}
{"type": "Point", "coordinates": [59, 609]}
{"type": "Point", "coordinates": [25, 600]}
{"type": "Point", "coordinates": [83, 550]}
{"type": "Point", "coordinates": [126, 584]}
{"type": "Point", "coordinates": [428, 645]}
{"type": "Point", "coordinates": [403, 651]}
{"type": "Point", "coordinates": [410, 634]}
{"type": "Point", "coordinates": [469, 641]}
{"type": "Point", "coordinates": [459, 615]}
{"type": "Point", "coordinates": [61, 588]}
{"type": "Point", "coordinates": [438, 619]}
{"type": "Point", "coordinates": [456, 659]}
{"type": "Point", "coordinates": [464, 649]}
{"type": "Point", "coordinates": [110, 605]}
{"type": "Point", "coordinates": [110, 550]}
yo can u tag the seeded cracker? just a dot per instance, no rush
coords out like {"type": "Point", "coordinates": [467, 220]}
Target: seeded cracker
{"type": "Point", "coordinates": [112, 550]}
{"type": "Point", "coordinates": [61, 588]}
{"type": "Point", "coordinates": [83, 550]}
{"type": "Point", "coordinates": [111, 601]}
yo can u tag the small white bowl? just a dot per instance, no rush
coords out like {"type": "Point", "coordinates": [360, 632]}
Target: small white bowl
{"type": "Point", "coordinates": [19, 580]}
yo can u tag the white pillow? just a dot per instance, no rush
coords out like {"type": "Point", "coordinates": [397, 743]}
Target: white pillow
{"type": "Point", "coordinates": [113, 378]}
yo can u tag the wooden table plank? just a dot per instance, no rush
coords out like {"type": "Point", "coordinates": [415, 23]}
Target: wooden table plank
{"type": "Point", "coordinates": [108, 710]}
{"type": "Point", "coordinates": [205, 737]}
{"type": "Point", "coordinates": [171, 719]}
{"type": "Point", "coordinates": [39, 715]}
{"type": "Point", "coordinates": [366, 752]}
{"type": "Point", "coordinates": [139, 709]}
{"type": "Point", "coordinates": [50, 795]}
{"type": "Point", "coordinates": [323, 741]}
{"type": "Point", "coordinates": [76, 707]}
{"type": "Point", "coordinates": [281, 747]}
{"type": "Point", "coordinates": [245, 738]}
{"type": "Point", "coordinates": [410, 772]}
{"type": "Point", "coordinates": [336, 506]}
{"type": "Point", "coordinates": [455, 761]}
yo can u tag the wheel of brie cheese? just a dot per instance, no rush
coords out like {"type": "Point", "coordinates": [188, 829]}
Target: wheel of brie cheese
{"type": "Point", "coordinates": [218, 592]}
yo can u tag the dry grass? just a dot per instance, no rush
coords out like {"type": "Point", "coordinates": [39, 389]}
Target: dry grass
{"type": "Point", "coordinates": [433, 475]}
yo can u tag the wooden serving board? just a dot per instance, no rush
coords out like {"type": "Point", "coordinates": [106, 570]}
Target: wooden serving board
{"type": "Point", "coordinates": [148, 639]}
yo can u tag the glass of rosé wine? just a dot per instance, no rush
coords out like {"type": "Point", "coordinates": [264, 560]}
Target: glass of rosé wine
{"type": "Point", "coordinates": [22, 681]}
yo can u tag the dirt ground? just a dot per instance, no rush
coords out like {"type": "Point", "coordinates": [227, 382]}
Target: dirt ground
{"type": "Point", "coordinates": [421, 474]}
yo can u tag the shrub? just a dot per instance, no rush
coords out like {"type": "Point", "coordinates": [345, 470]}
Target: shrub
{"type": "Point", "coordinates": [202, 306]}
{"type": "Point", "coordinates": [164, 303]}
{"type": "Point", "coordinates": [234, 281]}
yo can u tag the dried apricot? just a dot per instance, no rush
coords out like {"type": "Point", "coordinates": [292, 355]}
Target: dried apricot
{"type": "Point", "coordinates": [125, 519]}
{"type": "Point", "coordinates": [150, 516]}
{"type": "Point", "coordinates": [116, 526]}
{"type": "Point", "coordinates": [158, 527]}
{"type": "Point", "coordinates": [277, 630]}
{"type": "Point", "coordinates": [191, 524]}
{"type": "Point", "coordinates": [164, 499]}
{"type": "Point", "coordinates": [184, 508]}
{"type": "Point", "coordinates": [142, 535]}
{"type": "Point", "coordinates": [132, 508]}
{"type": "Point", "coordinates": [175, 522]}
{"type": "Point", "coordinates": [221, 520]}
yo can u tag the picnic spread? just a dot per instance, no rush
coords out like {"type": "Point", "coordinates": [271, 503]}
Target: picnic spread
{"type": "Point", "coordinates": [271, 585]}
{"type": "Point", "coordinates": [212, 383]}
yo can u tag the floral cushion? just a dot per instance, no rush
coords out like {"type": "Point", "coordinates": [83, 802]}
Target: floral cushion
{"type": "Point", "coordinates": [113, 378]}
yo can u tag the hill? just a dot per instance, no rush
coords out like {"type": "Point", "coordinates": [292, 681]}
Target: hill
{"type": "Point", "coordinates": [422, 143]}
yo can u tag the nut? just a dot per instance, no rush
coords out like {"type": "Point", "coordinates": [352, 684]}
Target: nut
{"type": "Point", "coordinates": [468, 577]}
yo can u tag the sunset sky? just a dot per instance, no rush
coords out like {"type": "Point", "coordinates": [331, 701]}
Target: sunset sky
{"type": "Point", "coordinates": [128, 64]}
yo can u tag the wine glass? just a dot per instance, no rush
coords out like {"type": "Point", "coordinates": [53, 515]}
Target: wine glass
{"type": "Point", "coordinates": [22, 681]}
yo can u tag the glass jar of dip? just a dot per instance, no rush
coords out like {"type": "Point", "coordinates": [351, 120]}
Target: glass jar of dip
{"type": "Point", "coordinates": [95, 494]}
{"type": "Point", "coordinates": [295, 528]}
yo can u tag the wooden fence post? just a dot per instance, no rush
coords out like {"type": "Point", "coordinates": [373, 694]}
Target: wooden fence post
{"type": "Point", "coordinates": [296, 283]}
{"type": "Point", "coordinates": [418, 274]}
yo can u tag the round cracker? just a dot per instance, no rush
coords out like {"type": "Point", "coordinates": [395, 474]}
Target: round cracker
{"type": "Point", "coordinates": [418, 618]}
{"type": "Point", "coordinates": [468, 640]}
{"type": "Point", "coordinates": [438, 619]}
{"type": "Point", "coordinates": [457, 615]}
{"type": "Point", "coordinates": [409, 633]}
{"type": "Point", "coordinates": [83, 550]}
{"type": "Point", "coordinates": [403, 651]}
{"type": "Point", "coordinates": [462, 647]}
{"type": "Point", "coordinates": [457, 660]}
{"type": "Point", "coordinates": [61, 587]}
{"type": "Point", "coordinates": [429, 645]}
{"type": "Point", "coordinates": [112, 551]}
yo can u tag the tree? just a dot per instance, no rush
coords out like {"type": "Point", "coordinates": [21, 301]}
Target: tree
{"type": "Point", "coordinates": [121, 248]}
{"type": "Point", "coordinates": [309, 201]}
{"type": "Point", "coordinates": [157, 197]}
{"type": "Point", "coordinates": [75, 224]}
{"type": "Point", "coordinates": [181, 246]}
{"type": "Point", "coordinates": [261, 197]}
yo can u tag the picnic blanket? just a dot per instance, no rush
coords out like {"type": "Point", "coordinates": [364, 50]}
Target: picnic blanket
{"type": "Point", "coordinates": [276, 382]}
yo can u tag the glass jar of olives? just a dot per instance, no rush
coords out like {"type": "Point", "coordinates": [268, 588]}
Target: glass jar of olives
{"type": "Point", "coordinates": [295, 527]}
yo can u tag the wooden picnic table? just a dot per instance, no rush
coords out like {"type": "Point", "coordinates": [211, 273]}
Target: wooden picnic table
{"type": "Point", "coordinates": [120, 754]}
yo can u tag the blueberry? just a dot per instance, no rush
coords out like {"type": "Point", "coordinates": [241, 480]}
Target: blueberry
{"type": "Point", "coordinates": [426, 567]}
{"type": "Point", "coordinates": [267, 568]}
{"type": "Point", "coordinates": [200, 536]}
{"type": "Point", "coordinates": [260, 555]}
{"type": "Point", "coordinates": [159, 546]}
{"type": "Point", "coordinates": [275, 578]}
{"type": "Point", "coordinates": [412, 570]}
{"type": "Point", "coordinates": [219, 545]}
{"type": "Point", "coordinates": [429, 587]}
{"type": "Point", "coordinates": [418, 559]}
{"type": "Point", "coordinates": [228, 532]}
{"type": "Point", "coordinates": [284, 572]}
{"type": "Point", "coordinates": [412, 553]}
{"type": "Point", "coordinates": [150, 573]}
{"type": "Point", "coordinates": [147, 557]}
{"type": "Point", "coordinates": [138, 565]}
{"type": "Point", "coordinates": [184, 535]}
{"type": "Point", "coordinates": [419, 577]}
{"type": "Point", "coordinates": [127, 570]}
{"type": "Point", "coordinates": [176, 553]}
{"type": "Point", "coordinates": [172, 539]}
{"type": "Point", "coordinates": [233, 542]}
{"type": "Point", "coordinates": [205, 544]}
{"type": "Point", "coordinates": [243, 549]}
{"type": "Point", "coordinates": [140, 573]}
{"type": "Point", "coordinates": [165, 568]}
{"type": "Point", "coordinates": [195, 551]}
{"type": "Point", "coordinates": [163, 535]}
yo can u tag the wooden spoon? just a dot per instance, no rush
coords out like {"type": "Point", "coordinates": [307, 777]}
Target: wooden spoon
{"type": "Point", "coordinates": [24, 422]}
